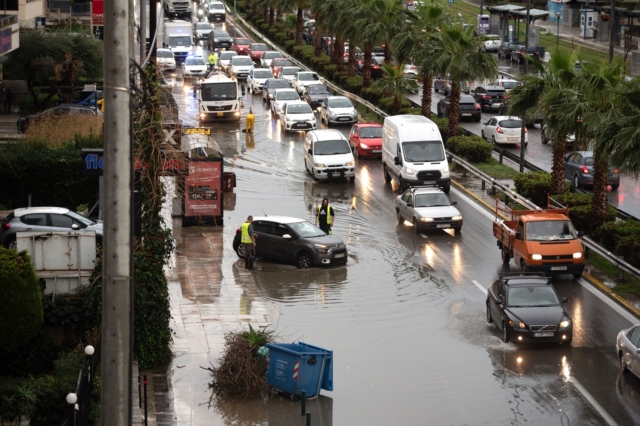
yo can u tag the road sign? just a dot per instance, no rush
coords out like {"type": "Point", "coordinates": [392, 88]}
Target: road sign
{"type": "Point", "coordinates": [197, 131]}
{"type": "Point", "coordinates": [449, 1]}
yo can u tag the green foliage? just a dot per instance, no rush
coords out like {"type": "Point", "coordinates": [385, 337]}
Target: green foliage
{"type": "Point", "coordinates": [264, 27]}
{"type": "Point", "coordinates": [271, 31]}
{"type": "Point", "coordinates": [584, 220]}
{"type": "Point", "coordinates": [369, 93]}
{"type": "Point", "coordinates": [472, 148]}
{"type": "Point", "coordinates": [297, 50]}
{"type": "Point", "coordinates": [21, 313]}
{"type": "Point", "coordinates": [340, 76]}
{"type": "Point", "coordinates": [290, 46]}
{"type": "Point", "coordinates": [330, 70]}
{"type": "Point", "coordinates": [17, 398]}
{"type": "Point", "coordinates": [35, 357]}
{"type": "Point", "coordinates": [410, 110]}
{"type": "Point", "coordinates": [52, 176]}
{"type": "Point", "coordinates": [443, 125]}
{"type": "Point", "coordinates": [628, 246]}
{"type": "Point", "coordinates": [610, 233]}
{"type": "Point", "coordinates": [281, 36]}
{"type": "Point", "coordinates": [256, 338]}
{"type": "Point", "coordinates": [386, 104]}
{"type": "Point", "coordinates": [259, 22]}
{"type": "Point", "coordinates": [240, 5]}
{"type": "Point", "coordinates": [573, 199]}
{"type": "Point", "coordinates": [534, 186]}
{"type": "Point", "coordinates": [354, 84]}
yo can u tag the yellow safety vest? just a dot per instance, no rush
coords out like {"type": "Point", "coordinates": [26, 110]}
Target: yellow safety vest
{"type": "Point", "coordinates": [212, 59]}
{"type": "Point", "coordinates": [329, 216]}
{"type": "Point", "coordinates": [246, 238]}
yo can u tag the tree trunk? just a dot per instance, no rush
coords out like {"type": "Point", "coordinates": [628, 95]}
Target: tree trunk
{"type": "Point", "coordinates": [351, 65]}
{"type": "Point", "coordinates": [299, 28]}
{"type": "Point", "coordinates": [338, 51]}
{"type": "Point", "coordinates": [600, 178]}
{"type": "Point", "coordinates": [271, 16]}
{"type": "Point", "coordinates": [265, 14]}
{"type": "Point", "coordinates": [454, 117]}
{"type": "Point", "coordinates": [427, 95]}
{"type": "Point", "coordinates": [558, 166]}
{"type": "Point", "coordinates": [387, 54]}
{"type": "Point", "coordinates": [317, 42]}
{"type": "Point", "coordinates": [366, 68]}
{"type": "Point", "coordinates": [34, 95]}
{"type": "Point", "coordinates": [397, 104]}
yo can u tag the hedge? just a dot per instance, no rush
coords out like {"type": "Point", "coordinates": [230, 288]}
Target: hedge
{"type": "Point", "coordinates": [582, 218]}
{"type": "Point", "coordinates": [386, 104]}
{"type": "Point", "coordinates": [610, 232]}
{"type": "Point", "coordinates": [534, 186]}
{"type": "Point", "coordinates": [354, 84]}
{"type": "Point", "coordinates": [573, 199]}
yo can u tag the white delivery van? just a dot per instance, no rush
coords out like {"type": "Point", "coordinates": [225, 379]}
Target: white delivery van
{"type": "Point", "coordinates": [327, 155]}
{"type": "Point", "coordinates": [413, 153]}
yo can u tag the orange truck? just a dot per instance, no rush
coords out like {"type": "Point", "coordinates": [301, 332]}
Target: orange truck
{"type": "Point", "coordinates": [539, 241]}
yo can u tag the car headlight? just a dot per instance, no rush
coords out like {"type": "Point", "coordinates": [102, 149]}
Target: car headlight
{"type": "Point", "coordinates": [216, 40]}
{"type": "Point", "coordinates": [354, 113]}
{"type": "Point", "coordinates": [445, 169]}
{"type": "Point", "coordinates": [231, 40]}
{"type": "Point", "coordinates": [566, 322]}
{"type": "Point", "coordinates": [364, 146]}
{"type": "Point", "coordinates": [456, 217]}
{"type": "Point", "coordinates": [536, 256]}
{"type": "Point", "coordinates": [426, 219]}
{"type": "Point", "coordinates": [577, 255]}
{"type": "Point", "coordinates": [409, 171]}
{"type": "Point", "coordinates": [350, 163]}
{"type": "Point", "coordinates": [517, 324]}
{"type": "Point", "coordinates": [319, 165]}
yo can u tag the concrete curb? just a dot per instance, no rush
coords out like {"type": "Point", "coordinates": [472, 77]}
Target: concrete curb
{"type": "Point", "coordinates": [600, 285]}
{"type": "Point", "coordinates": [478, 199]}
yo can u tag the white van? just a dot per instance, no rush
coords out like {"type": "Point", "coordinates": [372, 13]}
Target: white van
{"type": "Point", "coordinates": [327, 155]}
{"type": "Point", "coordinates": [413, 153]}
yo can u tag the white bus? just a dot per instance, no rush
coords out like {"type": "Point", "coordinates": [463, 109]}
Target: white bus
{"type": "Point", "coordinates": [219, 98]}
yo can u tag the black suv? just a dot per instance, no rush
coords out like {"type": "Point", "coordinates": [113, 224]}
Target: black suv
{"type": "Point", "coordinates": [506, 48]}
{"type": "Point", "coordinates": [490, 97]}
{"type": "Point", "coordinates": [219, 39]}
{"type": "Point", "coordinates": [517, 55]}
{"type": "Point", "coordinates": [527, 309]}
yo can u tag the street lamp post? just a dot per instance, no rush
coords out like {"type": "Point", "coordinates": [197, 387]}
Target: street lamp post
{"type": "Point", "coordinates": [558, 15]}
{"type": "Point", "coordinates": [71, 400]}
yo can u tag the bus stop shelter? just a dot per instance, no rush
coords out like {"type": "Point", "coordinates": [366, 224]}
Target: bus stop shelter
{"type": "Point", "coordinates": [508, 12]}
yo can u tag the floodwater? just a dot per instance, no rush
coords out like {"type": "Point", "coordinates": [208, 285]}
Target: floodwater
{"type": "Point", "coordinates": [405, 317]}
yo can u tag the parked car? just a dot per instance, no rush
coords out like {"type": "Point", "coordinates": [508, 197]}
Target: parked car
{"type": "Point", "coordinates": [490, 97]}
{"type": "Point", "coordinates": [338, 110]}
{"type": "Point", "coordinates": [282, 96]}
{"type": "Point", "coordinates": [303, 79]}
{"type": "Point", "coordinates": [201, 30]}
{"type": "Point", "coordinates": [224, 59]}
{"type": "Point", "coordinates": [517, 55]}
{"type": "Point", "coordinates": [366, 139]}
{"type": "Point", "coordinates": [297, 115]}
{"type": "Point", "coordinates": [256, 50]}
{"type": "Point", "coordinates": [278, 63]}
{"type": "Point", "coordinates": [241, 45]}
{"type": "Point", "coordinates": [444, 86]}
{"type": "Point", "coordinates": [45, 219]}
{"type": "Point", "coordinates": [428, 208]}
{"type": "Point", "coordinates": [268, 56]}
{"type": "Point", "coordinates": [506, 48]}
{"type": "Point", "coordinates": [166, 61]}
{"type": "Point", "coordinates": [240, 67]}
{"type": "Point", "coordinates": [289, 74]}
{"type": "Point", "coordinates": [491, 44]}
{"type": "Point", "coordinates": [219, 39]}
{"type": "Point", "coordinates": [504, 129]}
{"type": "Point", "coordinates": [527, 309]}
{"type": "Point", "coordinates": [293, 240]}
{"type": "Point", "coordinates": [25, 121]}
{"type": "Point", "coordinates": [256, 79]}
{"type": "Point", "coordinates": [579, 168]}
{"type": "Point", "coordinates": [628, 350]}
{"type": "Point", "coordinates": [270, 85]}
{"type": "Point", "coordinates": [315, 94]}
{"type": "Point", "coordinates": [468, 108]}
{"type": "Point", "coordinates": [194, 67]}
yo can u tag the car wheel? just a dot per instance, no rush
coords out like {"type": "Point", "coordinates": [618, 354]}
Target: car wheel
{"type": "Point", "coordinates": [576, 181]}
{"type": "Point", "coordinates": [457, 231]}
{"type": "Point", "coordinates": [304, 260]}
{"type": "Point", "coordinates": [623, 365]}
{"type": "Point", "coordinates": [577, 276]}
{"type": "Point", "coordinates": [615, 187]}
{"type": "Point", "coordinates": [12, 244]}
{"type": "Point", "coordinates": [446, 189]}
{"type": "Point", "coordinates": [489, 319]}
{"type": "Point", "coordinates": [240, 251]}
{"type": "Point", "coordinates": [506, 257]}
{"type": "Point", "coordinates": [493, 140]}
{"type": "Point", "coordinates": [400, 218]}
{"type": "Point", "coordinates": [416, 228]}
{"type": "Point", "coordinates": [505, 335]}
{"type": "Point", "coordinates": [403, 186]}
{"type": "Point", "coordinates": [387, 176]}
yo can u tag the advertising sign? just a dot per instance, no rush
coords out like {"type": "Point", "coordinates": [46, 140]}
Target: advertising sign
{"type": "Point", "coordinates": [197, 131]}
{"type": "Point", "coordinates": [203, 189]}
{"type": "Point", "coordinates": [5, 40]}
{"type": "Point", "coordinates": [97, 12]}
{"type": "Point", "coordinates": [174, 163]}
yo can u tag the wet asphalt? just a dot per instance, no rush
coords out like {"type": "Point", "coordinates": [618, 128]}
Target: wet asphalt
{"type": "Point", "coordinates": [406, 316]}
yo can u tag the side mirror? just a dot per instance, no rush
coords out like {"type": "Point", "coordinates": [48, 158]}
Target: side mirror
{"type": "Point", "coordinates": [449, 159]}
{"type": "Point", "coordinates": [565, 299]}
{"type": "Point", "coordinates": [409, 204]}
{"type": "Point", "coordinates": [580, 233]}
{"type": "Point", "coordinates": [454, 203]}
{"type": "Point", "coordinates": [286, 236]}
{"type": "Point", "coordinates": [75, 226]}
{"type": "Point", "coordinates": [310, 151]}
{"type": "Point", "coordinates": [499, 301]}
{"type": "Point", "coordinates": [518, 235]}
{"type": "Point", "coordinates": [397, 161]}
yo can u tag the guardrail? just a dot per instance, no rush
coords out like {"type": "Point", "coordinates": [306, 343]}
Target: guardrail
{"type": "Point", "coordinates": [486, 179]}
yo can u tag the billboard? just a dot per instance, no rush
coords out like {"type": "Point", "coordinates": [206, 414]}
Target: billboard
{"type": "Point", "coordinates": [5, 40]}
{"type": "Point", "coordinates": [203, 189]}
{"type": "Point", "coordinates": [97, 12]}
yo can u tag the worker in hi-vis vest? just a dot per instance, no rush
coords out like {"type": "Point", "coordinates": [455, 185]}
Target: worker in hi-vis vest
{"type": "Point", "coordinates": [248, 240]}
{"type": "Point", "coordinates": [325, 216]}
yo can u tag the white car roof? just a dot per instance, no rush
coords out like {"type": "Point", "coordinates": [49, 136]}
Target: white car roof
{"type": "Point", "coordinates": [506, 117]}
{"type": "Point", "coordinates": [327, 134]}
{"type": "Point", "coordinates": [285, 90]}
{"type": "Point", "coordinates": [29, 210]}
{"type": "Point", "coordinates": [297, 103]}
{"type": "Point", "coordinates": [425, 190]}
{"type": "Point", "coordinates": [279, 219]}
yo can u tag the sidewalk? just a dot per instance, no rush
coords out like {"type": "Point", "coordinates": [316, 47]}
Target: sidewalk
{"type": "Point", "coordinates": [8, 127]}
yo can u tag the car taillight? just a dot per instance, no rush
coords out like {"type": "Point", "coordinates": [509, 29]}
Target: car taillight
{"type": "Point", "coordinates": [506, 97]}
{"type": "Point", "coordinates": [5, 226]}
{"type": "Point", "coordinates": [499, 130]}
{"type": "Point", "coordinates": [478, 106]}
{"type": "Point", "coordinates": [584, 170]}
{"type": "Point", "coordinates": [486, 96]}
{"type": "Point", "coordinates": [345, 55]}
{"type": "Point", "coordinates": [615, 172]}
{"type": "Point", "coordinates": [375, 67]}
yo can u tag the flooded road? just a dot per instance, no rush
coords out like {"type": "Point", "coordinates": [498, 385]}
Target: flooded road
{"type": "Point", "coordinates": [406, 316]}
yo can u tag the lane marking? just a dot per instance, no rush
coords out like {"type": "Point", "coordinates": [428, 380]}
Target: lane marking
{"type": "Point", "coordinates": [423, 236]}
{"type": "Point", "coordinates": [473, 203]}
{"type": "Point", "coordinates": [482, 289]}
{"type": "Point", "coordinates": [608, 301]}
{"type": "Point", "coordinates": [585, 393]}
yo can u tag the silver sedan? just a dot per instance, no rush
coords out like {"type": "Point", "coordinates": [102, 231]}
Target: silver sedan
{"type": "Point", "coordinates": [428, 208]}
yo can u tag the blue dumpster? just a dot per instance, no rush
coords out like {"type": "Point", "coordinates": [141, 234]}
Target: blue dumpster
{"type": "Point", "coordinates": [297, 367]}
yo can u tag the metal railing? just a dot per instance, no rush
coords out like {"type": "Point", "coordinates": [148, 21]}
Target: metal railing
{"type": "Point", "coordinates": [485, 178]}
{"type": "Point", "coordinates": [78, 411]}
{"type": "Point", "coordinates": [8, 20]}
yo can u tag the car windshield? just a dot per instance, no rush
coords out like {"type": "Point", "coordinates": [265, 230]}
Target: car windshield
{"type": "Point", "coordinates": [432, 200]}
{"type": "Point", "coordinates": [306, 230]}
{"type": "Point", "coordinates": [241, 60]}
{"type": "Point", "coordinates": [79, 218]}
{"type": "Point", "coordinates": [287, 96]}
{"type": "Point", "coordinates": [219, 91]}
{"type": "Point", "coordinates": [279, 84]}
{"type": "Point", "coordinates": [258, 47]}
{"type": "Point", "coordinates": [588, 161]}
{"type": "Point", "coordinates": [532, 296]}
{"type": "Point", "coordinates": [371, 132]}
{"type": "Point", "coordinates": [271, 55]}
{"type": "Point", "coordinates": [290, 71]}
{"type": "Point", "coordinates": [509, 84]}
{"type": "Point", "coordinates": [179, 41]}
{"type": "Point", "coordinates": [331, 147]}
{"type": "Point", "coordinates": [216, 6]}
{"type": "Point", "coordinates": [318, 89]}
{"type": "Point", "coordinates": [227, 55]}
{"type": "Point", "coordinates": [510, 124]}
{"type": "Point", "coordinates": [243, 41]}
{"type": "Point", "coordinates": [204, 26]}
{"type": "Point", "coordinates": [550, 230]}
{"type": "Point", "coordinates": [419, 152]}
{"type": "Point", "coordinates": [262, 74]}
{"type": "Point", "coordinates": [299, 109]}
{"type": "Point", "coordinates": [340, 103]}
{"type": "Point", "coordinates": [308, 76]}
{"type": "Point", "coordinates": [164, 53]}
{"type": "Point", "coordinates": [281, 62]}
{"type": "Point", "coordinates": [217, 33]}
{"type": "Point", "coordinates": [194, 61]}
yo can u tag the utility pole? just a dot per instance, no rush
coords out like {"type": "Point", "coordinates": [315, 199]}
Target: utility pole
{"type": "Point", "coordinates": [143, 30]}
{"type": "Point", "coordinates": [524, 125]}
{"type": "Point", "coordinates": [116, 276]}
{"type": "Point", "coordinates": [526, 36]}
{"type": "Point", "coordinates": [153, 20]}
{"type": "Point", "coordinates": [612, 29]}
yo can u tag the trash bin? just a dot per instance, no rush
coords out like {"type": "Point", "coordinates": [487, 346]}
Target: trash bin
{"type": "Point", "coordinates": [228, 181]}
{"type": "Point", "coordinates": [297, 367]}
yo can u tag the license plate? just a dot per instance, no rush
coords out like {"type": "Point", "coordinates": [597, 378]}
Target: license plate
{"type": "Point", "coordinates": [339, 255]}
{"type": "Point", "coordinates": [513, 139]}
{"type": "Point", "coordinates": [376, 151]}
{"type": "Point", "coordinates": [466, 114]}
{"type": "Point", "coordinates": [343, 118]}
{"type": "Point", "coordinates": [332, 175]}
{"type": "Point", "coordinates": [300, 125]}
{"type": "Point", "coordinates": [429, 182]}
{"type": "Point", "coordinates": [549, 334]}
{"type": "Point", "coordinates": [221, 114]}
{"type": "Point", "coordinates": [497, 105]}
{"type": "Point", "coordinates": [443, 226]}
{"type": "Point", "coordinates": [558, 268]}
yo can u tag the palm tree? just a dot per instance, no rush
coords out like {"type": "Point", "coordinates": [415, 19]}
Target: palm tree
{"type": "Point", "coordinates": [393, 81]}
{"type": "Point", "coordinates": [414, 44]}
{"type": "Point", "coordinates": [542, 92]}
{"type": "Point", "coordinates": [298, 6]}
{"type": "Point", "coordinates": [455, 52]}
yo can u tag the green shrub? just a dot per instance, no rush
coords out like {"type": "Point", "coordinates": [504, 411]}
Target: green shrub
{"type": "Point", "coordinates": [452, 143]}
{"type": "Point", "coordinates": [259, 22]}
{"type": "Point", "coordinates": [472, 148]}
{"type": "Point", "coordinates": [573, 199]}
{"type": "Point", "coordinates": [610, 232]}
{"type": "Point", "coordinates": [337, 77]}
{"type": "Point", "coordinates": [410, 111]}
{"type": "Point", "coordinates": [371, 94]}
{"type": "Point", "coordinates": [297, 50]}
{"type": "Point", "coordinates": [290, 46]}
{"type": "Point", "coordinates": [443, 125]}
{"type": "Point", "coordinates": [21, 312]}
{"type": "Point", "coordinates": [354, 84]}
{"type": "Point", "coordinates": [240, 5]}
{"type": "Point", "coordinates": [264, 28]}
{"type": "Point", "coordinates": [386, 104]}
{"type": "Point", "coordinates": [320, 62]}
{"type": "Point", "coordinates": [281, 36]}
{"type": "Point", "coordinates": [330, 70]}
{"type": "Point", "coordinates": [534, 186]}
{"type": "Point", "coordinates": [628, 246]}
{"type": "Point", "coordinates": [583, 218]}
{"type": "Point", "coordinates": [271, 31]}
